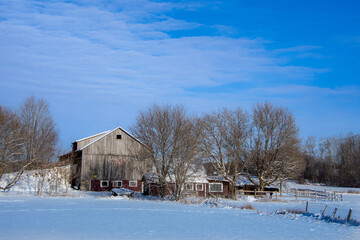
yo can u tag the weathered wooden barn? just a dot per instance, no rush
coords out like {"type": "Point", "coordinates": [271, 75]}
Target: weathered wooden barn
{"type": "Point", "coordinates": [106, 160]}
{"type": "Point", "coordinates": [109, 160]}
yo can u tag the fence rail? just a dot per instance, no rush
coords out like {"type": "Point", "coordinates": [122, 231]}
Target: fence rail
{"type": "Point", "coordinates": [294, 193]}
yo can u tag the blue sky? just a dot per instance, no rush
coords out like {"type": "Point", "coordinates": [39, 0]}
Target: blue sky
{"type": "Point", "coordinates": [98, 63]}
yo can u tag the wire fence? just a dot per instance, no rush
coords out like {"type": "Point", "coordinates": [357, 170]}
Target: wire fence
{"type": "Point", "coordinates": [334, 206]}
{"type": "Point", "coordinates": [334, 211]}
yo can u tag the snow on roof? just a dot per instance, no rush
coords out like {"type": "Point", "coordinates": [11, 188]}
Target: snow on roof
{"type": "Point", "coordinates": [95, 135]}
{"type": "Point", "coordinates": [122, 191]}
{"type": "Point", "coordinates": [217, 178]}
{"type": "Point", "coordinates": [243, 180]}
{"type": "Point", "coordinates": [195, 174]}
{"type": "Point", "coordinates": [97, 139]}
{"type": "Point", "coordinates": [198, 176]}
{"type": "Point", "coordinates": [151, 177]}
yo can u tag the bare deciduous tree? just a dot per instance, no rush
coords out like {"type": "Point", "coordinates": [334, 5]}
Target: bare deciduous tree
{"type": "Point", "coordinates": [336, 161]}
{"type": "Point", "coordinates": [328, 148]}
{"type": "Point", "coordinates": [349, 161]}
{"type": "Point", "coordinates": [166, 130]}
{"type": "Point", "coordinates": [274, 145]}
{"type": "Point", "coordinates": [185, 164]}
{"type": "Point", "coordinates": [11, 144]}
{"type": "Point", "coordinates": [311, 157]}
{"type": "Point", "coordinates": [26, 138]}
{"type": "Point", "coordinates": [39, 131]}
{"type": "Point", "coordinates": [223, 142]}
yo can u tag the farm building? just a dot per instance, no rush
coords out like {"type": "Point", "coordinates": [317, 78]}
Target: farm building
{"type": "Point", "coordinates": [245, 186]}
{"type": "Point", "coordinates": [106, 160]}
{"type": "Point", "coordinates": [199, 184]}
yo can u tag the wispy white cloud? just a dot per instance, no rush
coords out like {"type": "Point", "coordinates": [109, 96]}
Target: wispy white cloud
{"type": "Point", "coordinates": [110, 52]}
{"type": "Point", "coordinates": [129, 45]}
{"type": "Point", "coordinates": [297, 49]}
{"type": "Point", "coordinates": [300, 52]}
{"type": "Point", "coordinates": [349, 39]}
{"type": "Point", "coordinates": [305, 91]}
{"type": "Point", "coordinates": [225, 30]}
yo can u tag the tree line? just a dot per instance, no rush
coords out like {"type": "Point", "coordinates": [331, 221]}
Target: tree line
{"type": "Point", "coordinates": [28, 139]}
{"type": "Point", "coordinates": [263, 143]}
{"type": "Point", "coordinates": [333, 161]}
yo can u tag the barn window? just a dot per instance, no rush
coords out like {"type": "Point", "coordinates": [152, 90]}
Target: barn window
{"type": "Point", "coordinates": [189, 186]}
{"type": "Point", "coordinates": [199, 187]}
{"type": "Point", "coordinates": [117, 183]}
{"type": "Point", "coordinates": [118, 136]}
{"type": "Point", "coordinates": [216, 187]}
{"type": "Point", "coordinates": [132, 183]}
{"type": "Point", "coordinates": [104, 183]}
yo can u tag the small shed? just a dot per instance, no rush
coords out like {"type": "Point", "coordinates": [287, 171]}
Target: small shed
{"type": "Point", "coordinates": [247, 187]}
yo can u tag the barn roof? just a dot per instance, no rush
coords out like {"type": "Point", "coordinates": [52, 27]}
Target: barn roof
{"type": "Point", "coordinates": [95, 135]}
{"type": "Point", "coordinates": [103, 135]}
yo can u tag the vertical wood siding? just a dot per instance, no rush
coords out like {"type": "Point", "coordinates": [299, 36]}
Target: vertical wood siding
{"type": "Point", "coordinates": [86, 141]}
{"type": "Point", "coordinates": [111, 159]}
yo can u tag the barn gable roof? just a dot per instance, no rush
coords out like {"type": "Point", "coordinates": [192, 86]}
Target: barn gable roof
{"type": "Point", "coordinates": [95, 135]}
{"type": "Point", "coordinates": [103, 135]}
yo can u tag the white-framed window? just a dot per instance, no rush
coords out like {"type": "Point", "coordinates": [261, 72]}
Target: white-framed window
{"type": "Point", "coordinates": [133, 183]}
{"type": "Point", "coordinates": [117, 183]}
{"type": "Point", "coordinates": [104, 183]}
{"type": "Point", "coordinates": [216, 187]}
{"type": "Point", "coordinates": [189, 186]}
{"type": "Point", "coordinates": [199, 187]}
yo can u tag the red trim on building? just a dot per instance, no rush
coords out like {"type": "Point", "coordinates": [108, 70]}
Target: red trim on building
{"type": "Point", "coordinates": [96, 185]}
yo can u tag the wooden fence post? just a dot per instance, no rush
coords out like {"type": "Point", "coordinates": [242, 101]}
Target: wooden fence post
{"type": "Point", "coordinates": [307, 207]}
{"type": "Point", "coordinates": [349, 215]}
{"type": "Point", "coordinates": [335, 210]}
{"type": "Point", "coordinates": [296, 194]}
{"type": "Point", "coordinates": [323, 212]}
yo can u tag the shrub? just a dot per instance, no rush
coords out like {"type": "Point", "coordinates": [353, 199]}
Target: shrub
{"type": "Point", "coordinates": [296, 211]}
{"type": "Point", "coordinates": [248, 207]}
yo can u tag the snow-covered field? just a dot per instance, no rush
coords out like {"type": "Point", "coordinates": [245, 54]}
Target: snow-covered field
{"type": "Point", "coordinates": [104, 217]}
{"type": "Point", "coordinates": [87, 215]}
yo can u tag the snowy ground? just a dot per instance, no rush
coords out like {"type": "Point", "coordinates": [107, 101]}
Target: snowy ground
{"type": "Point", "coordinates": [89, 215]}
{"type": "Point", "coordinates": [102, 217]}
